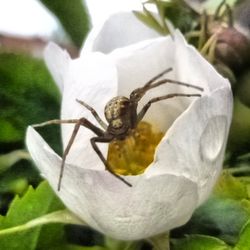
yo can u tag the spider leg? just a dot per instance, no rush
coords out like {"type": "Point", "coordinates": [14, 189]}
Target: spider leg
{"type": "Point", "coordinates": [160, 98]}
{"type": "Point", "coordinates": [105, 139]}
{"type": "Point", "coordinates": [78, 122]}
{"type": "Point", "coordinates": [94, 113]}
{"type": "Point", "coordinates": [164, 81]}
{"type": "Point", "coordinates": [158, 76]}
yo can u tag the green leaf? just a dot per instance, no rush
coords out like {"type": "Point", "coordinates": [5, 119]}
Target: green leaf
{"type": "Point", "coordinates": [148, 19]}
{"type": "Point", "coordinates": [244, 241]}
{"type": "Point", "coordinates": [239, 136]}
{"type": "Point", "coordinates": [231, 187]}
{"type": "Point", "coordinates": [218, 217]}
{"type": "Point", "coordinates": [74, 247]}
{"type": "Point", "coordinates": [73, 17]}
{"type": "Point", "coordinates": [28, 95]}
{"type": "Point", "coordinates": [198, 242]}
{"type": "Point", "coordinates": [33, 204]}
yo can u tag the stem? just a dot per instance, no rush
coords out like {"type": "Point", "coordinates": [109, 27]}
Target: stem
{"type": "Point", "coordinates": [238, 170]}
{"type": "Point", "coordinates": [61, 216]}
{"type": "Point", "coordinates": [209, 42]}
{"type": "Point", "coordinates": [160, 242]}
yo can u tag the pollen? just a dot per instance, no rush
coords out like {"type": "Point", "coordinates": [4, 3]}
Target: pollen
{"type": "Point", "coordinates": [134, 154]}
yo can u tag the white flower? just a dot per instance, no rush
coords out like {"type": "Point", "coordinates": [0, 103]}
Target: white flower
{"type": "Point", "coordinates": [188, 159]}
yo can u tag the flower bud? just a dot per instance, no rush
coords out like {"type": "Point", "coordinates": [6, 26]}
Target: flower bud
{"type": "Point", "coordinates": [232, 48]}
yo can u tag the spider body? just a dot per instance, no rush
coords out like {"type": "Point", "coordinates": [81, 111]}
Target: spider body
{"type": "Point", "coordinates": [122, 116]}
{"type": "Point", "coordinates": [118, 115]}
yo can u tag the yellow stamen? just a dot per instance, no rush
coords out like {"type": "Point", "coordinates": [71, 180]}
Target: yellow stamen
{"type": "Point", "coordinates": [134, 154]}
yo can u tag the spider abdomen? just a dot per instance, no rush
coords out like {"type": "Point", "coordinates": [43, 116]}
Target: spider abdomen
{"type": "Point", "coordinates": [116, 108]}
{"type": "Point", "coordinates": [117, 112]}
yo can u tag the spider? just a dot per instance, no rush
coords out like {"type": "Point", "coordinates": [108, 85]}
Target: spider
{"type": "Point", "coordinates": [122, 117]}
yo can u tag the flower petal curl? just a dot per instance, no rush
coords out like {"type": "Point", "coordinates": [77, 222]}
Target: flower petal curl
{"type": "Point", "coordinates": [127, 29]}
{"type": "Point", "coordinates": [150, 207]}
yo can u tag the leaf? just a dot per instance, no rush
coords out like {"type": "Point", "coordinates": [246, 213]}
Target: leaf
{"type": "Point", "coordinates": [148, 19]}
{"type": "Point", "coordinates": [33, 204]}
{"type": "Point", "coordinates": [244, 239]}
{"type": "Point", "coordinates": [218, 217]}
{"type": "Point", "coordinates": [198, 242]}
{"type": "Point", "coordinates": [26, 86]}
{"type": "Point", "coordinates": [239, 136]}
{"type": "Point", "coordinates": [230, 187]}
{"type": "Point", "coordinates": [74, 247]}
{"type": "Point", "coordinates": [73, 17]}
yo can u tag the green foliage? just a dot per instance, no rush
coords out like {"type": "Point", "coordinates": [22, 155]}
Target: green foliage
{"type": "Point", "coordinates": [198, 242]}
{"type": "Point", "coordinates": [33, 204]}
{"type": "Point", "coordinates": [244, 241]}
{"type": "Point", "coordinates": [239, 137]}
{"type": "Point", "coordinates": [28, 95]}
{"type": "Point", "coordinates": [148, 19]}
{"type": "Point", "coordinates": [231, 187]}
{"type": "Point", "coordinates": [218, 217]}
{"type": "Point", "coordinates": [73, 16]}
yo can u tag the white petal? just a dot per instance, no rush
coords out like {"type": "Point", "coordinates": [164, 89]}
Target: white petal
{"type": "Point", "coordinates": [150, 207]}
{"type": "Point", "coordinates": [49, 164]}
{"type": "Point", "coordinates": [119, 30]}
{"type": "Point", "coordinates": [194, 146]}
{"type": "Point", "coordinates": [57, 61]}
{"type": "Point", "coordinates": [92, 79]}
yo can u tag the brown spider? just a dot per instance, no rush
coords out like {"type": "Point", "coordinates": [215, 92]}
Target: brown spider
{"type": "Point", "coordinates": [122, 117]}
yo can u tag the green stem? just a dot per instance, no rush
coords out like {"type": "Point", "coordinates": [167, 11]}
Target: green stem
{"type": "Point", "coordinates": [238, 170]}
{"type": "Point", "coordinates": [9, 159]}
{"type": "Point", "coordinates": [210, 42]}
{"type": "Point", "coordinates": [160, 242]}
{"type": "Point", "coordinates": [62, 216]}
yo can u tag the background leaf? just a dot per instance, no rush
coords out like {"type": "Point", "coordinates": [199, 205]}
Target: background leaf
{"type": "Point", "coordinates": [28, 95]}
{"type": "Point", "coordinates": [32, 205]}
{"type": "Point", "coordinates": [198, 242]}
{"type": "Point", "coordinates": [73, 17]}
{"type": "Point", "coordinates": [244, 238]}
{"type": "Point", "coordinates": [218, 217]}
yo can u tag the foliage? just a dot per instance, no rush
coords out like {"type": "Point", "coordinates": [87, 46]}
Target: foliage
{"type": "Point", "coordinates": [73, 16]}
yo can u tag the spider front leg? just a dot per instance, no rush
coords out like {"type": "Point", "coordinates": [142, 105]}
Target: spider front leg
{"type": "Point", "coordinates": [78, 123]}
{"type": "Point", "coordinates": [94, 113]}
{"type": "Point", "coordinates": [160, 98]}
{"type": "Point", "coordinates": [105, 139]}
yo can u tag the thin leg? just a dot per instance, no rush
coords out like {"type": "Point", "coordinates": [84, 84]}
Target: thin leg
{"type": "Point", "coordinates": [137, 94]}
{"type": "Point", "coordinates": [94, 113]}
{"type": "Point", "coordinates": [55, 121]}
{"type": "Point", "coordinates": [78, 122]}
{"type": "Point", "coordinates": [160, 98]}
{"type": "Point", "coordinates": [93, 141]}
{"type": "Point", "coordinates": [164, 81]}
{"type": "Point", "coordinates": [158, 76]}
{"type": "Point", "coordinates": [87, 123]}
{"type": "Point", "coordinates": [81, 122]}
{"type": "Point", "coordinates": [66, 151]}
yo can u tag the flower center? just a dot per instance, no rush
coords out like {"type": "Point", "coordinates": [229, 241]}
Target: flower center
{"type": "Point", "coordinates": [134, 154]}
